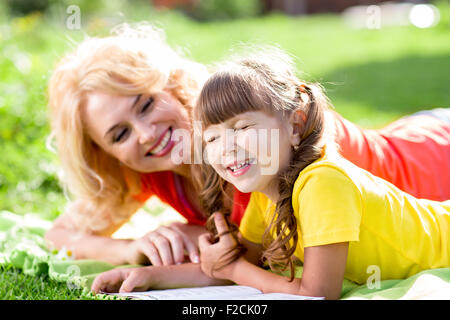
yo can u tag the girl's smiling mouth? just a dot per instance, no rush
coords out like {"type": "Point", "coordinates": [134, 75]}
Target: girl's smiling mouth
{"type": "Point", "coordinates": [238, 168]}
{"type": "Point", "coordinates": [162, 146]}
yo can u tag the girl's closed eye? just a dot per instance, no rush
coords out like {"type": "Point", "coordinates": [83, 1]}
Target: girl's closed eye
{"type": "Point", "coordinates": [211, 135]}
{"type": "Point", "coordinates": [211, 139]}
{"type": "Point", "coordinates": [242, 126]}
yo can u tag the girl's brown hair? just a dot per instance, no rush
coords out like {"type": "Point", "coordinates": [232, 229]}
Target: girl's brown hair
{"type": "Point", "coordinates": [266, 82]}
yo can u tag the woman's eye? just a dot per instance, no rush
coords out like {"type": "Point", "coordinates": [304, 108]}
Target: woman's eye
{"type": "Point", "coordinates": [147, 104]}
{"type": "Point", "coordinates": [212, 139]}
{"type": "Point", "coordinates": [120, 136]}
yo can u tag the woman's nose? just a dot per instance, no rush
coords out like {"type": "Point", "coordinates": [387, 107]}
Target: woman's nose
{"type": "Point", "coordinates": [146, 132]}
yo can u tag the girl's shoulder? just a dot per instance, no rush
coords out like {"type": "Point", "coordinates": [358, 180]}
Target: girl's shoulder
{"type": "Point", "coordinates": [328, 172]}
{"type": "Point", "coordinates": [328, 186]}
{"type": "Point", "coordinates": [323, 172]}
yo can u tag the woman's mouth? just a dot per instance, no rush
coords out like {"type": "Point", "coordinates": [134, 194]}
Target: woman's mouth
{"type": "Point", "coordinates": [163, 146]}
{"type": "Point", "coordinates": [239, 168]}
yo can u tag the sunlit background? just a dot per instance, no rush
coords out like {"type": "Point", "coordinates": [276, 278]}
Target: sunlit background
{"type": "Point", "coordinates": [378, 61]}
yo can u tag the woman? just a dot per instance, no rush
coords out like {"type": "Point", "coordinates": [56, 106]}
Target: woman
{"type": "Point", "coordinates": [116, 104]}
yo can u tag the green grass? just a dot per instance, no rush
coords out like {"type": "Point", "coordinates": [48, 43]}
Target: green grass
{"type": "Point", "coordinates": [14, 285]}
{"type": "Point", "coordinates": [371, 76]}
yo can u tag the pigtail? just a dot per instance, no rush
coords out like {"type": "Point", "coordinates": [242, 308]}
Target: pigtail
{"type": "Point", "coordinates": [279, 252]}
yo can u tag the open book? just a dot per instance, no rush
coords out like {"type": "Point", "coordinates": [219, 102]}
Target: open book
{"type": "Point", "coordinates": [232, 292]}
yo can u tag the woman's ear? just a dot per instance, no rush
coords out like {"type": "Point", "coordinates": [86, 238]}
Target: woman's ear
{"type": "Point", "coordinates": [297, 122]}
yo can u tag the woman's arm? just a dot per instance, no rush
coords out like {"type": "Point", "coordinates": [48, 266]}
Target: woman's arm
{"type": "Point", "coordinates": [88, 242]}
{"type": "Point", "coordinates": [163, 246]}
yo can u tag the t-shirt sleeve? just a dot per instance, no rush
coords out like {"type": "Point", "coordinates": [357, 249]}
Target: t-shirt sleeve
{"type": "Point", "coordinates": [330, 208]}
{"type": "Point", "coordinates": [253, 225]}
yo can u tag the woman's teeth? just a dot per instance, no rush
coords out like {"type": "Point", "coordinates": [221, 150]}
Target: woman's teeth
{"type": "Point", "coordinates": [164, 141]}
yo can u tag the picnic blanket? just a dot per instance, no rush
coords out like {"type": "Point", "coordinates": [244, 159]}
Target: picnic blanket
{"type": "Point", "coordinates": [22, 245]}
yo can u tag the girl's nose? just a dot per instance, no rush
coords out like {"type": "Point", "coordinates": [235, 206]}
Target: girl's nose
{"type": "Point", "coordinates": [229, 144]}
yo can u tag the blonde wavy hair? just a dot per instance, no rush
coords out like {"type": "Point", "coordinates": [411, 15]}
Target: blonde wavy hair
{"type": "Point", "coordinates": [132, 60]}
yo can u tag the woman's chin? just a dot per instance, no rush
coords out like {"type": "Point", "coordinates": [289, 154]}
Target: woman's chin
{"type": "Point", "coordinates": [166, 165]}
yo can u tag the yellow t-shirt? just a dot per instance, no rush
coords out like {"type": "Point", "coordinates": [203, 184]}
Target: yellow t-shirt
{"type": "Point", "coordinates": [336, 201]}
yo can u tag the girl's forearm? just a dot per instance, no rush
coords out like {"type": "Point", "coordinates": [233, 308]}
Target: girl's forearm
{"type": "Point", "coordinates": [183, 275]}
{"type": "Point", "coordinates": [246, 274]}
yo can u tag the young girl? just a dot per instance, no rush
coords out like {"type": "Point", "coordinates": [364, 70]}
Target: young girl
{"type": "Point", "coordinates": [327, 209]}
{"type": "Point", "coordinates": [115, 104]}
{"type": "Point", "coordinates": [335, 217]}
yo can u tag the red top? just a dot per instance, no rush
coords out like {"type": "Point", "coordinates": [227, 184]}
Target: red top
{"type": "Point", "coordinates": [412, 153]}
{"type": "Point", "coordinates": [167, 186]}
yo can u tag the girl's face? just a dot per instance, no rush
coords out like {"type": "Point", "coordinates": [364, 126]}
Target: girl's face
{"type": "Point", "coordinates": [249, 150]}
{"type": "Point", "coordinates": [137, 130]}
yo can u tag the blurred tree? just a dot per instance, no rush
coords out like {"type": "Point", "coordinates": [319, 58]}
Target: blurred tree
{"type": "Point", "coordinates": [291, 7]}
{"type": "Point", "coordinates": [298, 7]}
{"type": "Point", "coordinates": [23, 7]}
{"type": "Point", "coordinates": [171, 4]}
{"type": "Point", "coordinates": [207, 10]}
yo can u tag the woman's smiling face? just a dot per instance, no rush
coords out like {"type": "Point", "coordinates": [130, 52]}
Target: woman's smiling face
{"type": "Point", "coordinates": [137, 130]}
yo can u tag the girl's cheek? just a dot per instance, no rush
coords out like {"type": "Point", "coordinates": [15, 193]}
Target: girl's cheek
{"type": "Point", "coordinates": [211, 155]}
{"type": "Point", "coordinates": [248, 141]}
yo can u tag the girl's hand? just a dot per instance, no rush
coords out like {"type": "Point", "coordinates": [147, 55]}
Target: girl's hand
{"type": "Point", "coordinates": [211, 254]}
{"type": "Point", "coordinates": [123, 280]}
{"type": "Point", "coordinates": [165, 246]}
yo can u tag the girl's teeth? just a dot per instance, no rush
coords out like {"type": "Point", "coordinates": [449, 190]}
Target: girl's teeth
{"type": "Point", "coordinates": [239, 166]}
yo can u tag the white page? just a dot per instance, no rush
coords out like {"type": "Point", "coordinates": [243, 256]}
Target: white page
{"type": "Point", "coordinates": [277, 296]}
{"type": "Point", "coordinates": [200, 293]}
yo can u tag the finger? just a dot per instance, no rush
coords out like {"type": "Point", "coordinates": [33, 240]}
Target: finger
{"type": "Point", "coordinates": [149, 249]}
{"type": "Point", "coordinates": [140, 279]}
{"type": "Point", "coordinates": [164, 249]}
{"type": "Point", "coordinates": [192, 249]}
{"type": "Point", "coordinates": [204, 241]}
{"type": "Point", "coordinates": [177, 243]}
{"type": "Point", "coordinates": [109, 281]}
{"type": "Point", "coordinates": [220, 222]}
{"type": "Point", "coordinates": [189, 245]}
{"type": "Point", "coordinates": [130, 283]}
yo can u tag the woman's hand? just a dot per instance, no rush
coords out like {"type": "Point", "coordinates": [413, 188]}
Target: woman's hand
{"type": "Point", "coordinates": [123, 280]}
{"type": "Point", "coordinates": [212, 254]}
{"type": "Point", "coordinates": [166, 245]}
